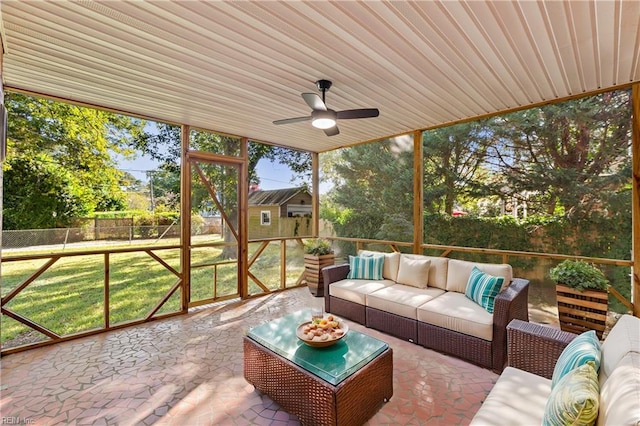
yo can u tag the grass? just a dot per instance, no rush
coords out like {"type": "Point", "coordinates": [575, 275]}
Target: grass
{"type": "Point", "coordinates": [69, 297]}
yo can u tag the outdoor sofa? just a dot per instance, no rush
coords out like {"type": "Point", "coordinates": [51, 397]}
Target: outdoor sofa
{"type": "Point", "coordinates": [422, 299]}
{"type": "Point", "coordinates": [548, 380]}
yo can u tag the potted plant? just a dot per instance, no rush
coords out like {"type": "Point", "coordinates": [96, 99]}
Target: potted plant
{"type": "Point", "coordinates": [318, 253]}
{"type": "Point", "coordinates": [582, 296]}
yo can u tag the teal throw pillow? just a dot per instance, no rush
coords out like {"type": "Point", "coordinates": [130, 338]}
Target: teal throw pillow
{"type": "Point", "coordinates": [582, 350]}
{"type": "Point", "coordinates": [365, 267]}
{"type": "Point", "coordinates": [575, 400]}
{"type": "Point", "coordinates": [483, 288]}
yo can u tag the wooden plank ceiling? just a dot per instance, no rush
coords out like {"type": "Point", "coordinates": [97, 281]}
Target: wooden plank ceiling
{"type": "Point", "coordinates": [234, 67]}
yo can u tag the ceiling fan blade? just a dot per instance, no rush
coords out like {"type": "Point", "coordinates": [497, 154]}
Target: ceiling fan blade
{"type": "Point", "coordinates": [332, 131]}
{"type": "Point", "coordinates": [357, 113]}
{"type": "Point", "coordinates": [314, 101]}
{"type": "Point", "coordinates": [292, 120]}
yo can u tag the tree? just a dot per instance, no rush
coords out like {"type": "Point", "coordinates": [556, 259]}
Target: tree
{"type": "Point", "coordinates": [40, 194]}
{"type": "Point", "coordinates": [569, 153]}
{"type": "Point", "coordinates": [453, 159]}
{"type": "Point", "coordinates": [72, 143]}
{"type": "Point", "coordinates": [372, 195]}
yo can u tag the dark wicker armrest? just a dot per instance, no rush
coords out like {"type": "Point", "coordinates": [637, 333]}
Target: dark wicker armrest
{"type": "Point", "coordinates": [535, 348]}
{"type": "Point", "coordinates": [333, 273]}
{"type": "Point", "coordinates": [511, 303]}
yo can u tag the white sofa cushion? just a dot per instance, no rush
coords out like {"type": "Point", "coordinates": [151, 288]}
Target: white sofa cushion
{"type": "Point", "coordinates": [356, 290]}
{"type": "Point", "coordinates": [401, 299]}
{"type": "Point", "coordinates": [391, 263]}
{"type": "Point", "coordinates": [624, 337]}
{"type": "Point", "coordinates": [518, 398]}
{"type": "Point", "coordinates": [620, 394]}
{"type": "Point", "coordinates": [437, 270]}
{"type": "Point", "coordinates": [414, 272]}
{"type": "Point", "coordinates": [454, 311]}
{"type": "Point", "coordinates": [459, 271]}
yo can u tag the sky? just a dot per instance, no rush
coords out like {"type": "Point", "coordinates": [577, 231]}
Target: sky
{"type": "Point", "coordinates": [272, 175]}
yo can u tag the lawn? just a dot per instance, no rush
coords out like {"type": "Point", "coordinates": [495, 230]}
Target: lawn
{"type": "Point", "coordinates": [69, 297]}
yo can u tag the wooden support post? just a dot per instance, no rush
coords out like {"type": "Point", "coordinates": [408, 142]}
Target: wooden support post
{"type": "Point", "coordinates": [315, 194]}
{"type": "Point", "coordinates": [185, 219]}
{"type": "Point", "coordinates": [418, 191]}
{"type": "Point", "coordinates": [243, 221]}
{"type": "Point", "coordinates": [107, 274]}
{"type": "Point", "coordinates": [635, 206]}
{"type": "Point", "coordinates": [283, 264]}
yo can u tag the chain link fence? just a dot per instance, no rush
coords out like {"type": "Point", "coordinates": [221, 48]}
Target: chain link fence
{"type": "Point", "coordinates": [61, 238]}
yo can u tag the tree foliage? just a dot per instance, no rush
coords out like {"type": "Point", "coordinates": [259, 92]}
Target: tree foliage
{"type": "Point", "coordinates": [58, 142]}
{"type": "Point", "coordinates": [40, 194]}
{"type": "Point", "coordinates": [453, 161]}
{"type": "Point", "coordinates": [566, 155]}
{"type": "Point", "coordinates": [566, 160]}
{"type": "Point", "coordinates": [370, 182]}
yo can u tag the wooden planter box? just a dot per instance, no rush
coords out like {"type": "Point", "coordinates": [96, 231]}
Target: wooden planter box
{"type": "Point", "coordinates": [580, 311]}
{"type": "Point", "coordinates": [313, 272]}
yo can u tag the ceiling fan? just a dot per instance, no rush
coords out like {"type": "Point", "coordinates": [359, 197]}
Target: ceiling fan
{"type": "Point", "coordinates": [324, 118]}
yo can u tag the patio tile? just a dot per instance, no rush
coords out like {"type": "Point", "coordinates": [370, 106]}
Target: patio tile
{"type": "Point", "coordinates": [188, 370]}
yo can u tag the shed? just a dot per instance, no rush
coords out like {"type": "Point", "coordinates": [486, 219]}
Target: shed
{"type": "Point", "coordinates": [279, 212]}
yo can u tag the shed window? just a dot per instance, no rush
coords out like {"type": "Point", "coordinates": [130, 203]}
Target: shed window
{"type": "Point", "coordinates": [265, 217]}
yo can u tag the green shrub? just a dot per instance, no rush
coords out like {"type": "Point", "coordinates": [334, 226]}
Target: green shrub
{"type": "Point", "coordinates": [579, 275]}
{"type": "Point", "coordinates": [318, 247]}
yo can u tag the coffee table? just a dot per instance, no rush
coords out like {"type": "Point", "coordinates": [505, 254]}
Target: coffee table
{"type": "Point", "coordinates": [342, 384]}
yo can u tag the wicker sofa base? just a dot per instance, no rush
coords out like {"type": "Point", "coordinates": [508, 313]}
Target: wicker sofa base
{"type": "Point", "coordinates": [473, 349]}
{"type": "Point", "coordinates": [392, 324]}
{"type": "Point", "coordinates": [511, 303]}
{"type": "Point", "coordinates": [313, 400]}
{"type": "Point", "coordinates": [346, 309]}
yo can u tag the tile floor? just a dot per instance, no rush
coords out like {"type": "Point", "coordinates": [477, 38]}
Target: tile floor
{"type": "Point", "coordinates": [187, 370]}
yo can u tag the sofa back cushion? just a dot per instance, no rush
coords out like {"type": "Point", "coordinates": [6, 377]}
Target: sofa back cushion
{"type": "Point", "coordinates": [459, 271]}
{"type": "Point", "coordinates": [413, 272]}
{"type": "Point", "coordinates": [623, 338]}
{"type": "Point", "coordinates": [390, 264]}
{"type": "Point", "coordinates": [620, 393]}
{"type": "Point", "coordinates": [437, 269]}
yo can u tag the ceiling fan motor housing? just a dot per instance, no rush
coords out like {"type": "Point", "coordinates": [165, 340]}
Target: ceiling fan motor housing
{"type": "Point", "coordinates": [323, 85]}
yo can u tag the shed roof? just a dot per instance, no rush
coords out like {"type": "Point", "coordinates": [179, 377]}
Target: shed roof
{"type": "Point", "coordinates": [274, 196]}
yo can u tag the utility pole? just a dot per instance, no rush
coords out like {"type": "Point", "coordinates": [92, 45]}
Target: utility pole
{"type": "Point", "coordinates": [151, 195]}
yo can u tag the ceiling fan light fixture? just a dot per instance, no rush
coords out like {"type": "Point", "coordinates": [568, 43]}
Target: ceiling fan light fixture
{"type": "Point", "coordinates": [323, 119]}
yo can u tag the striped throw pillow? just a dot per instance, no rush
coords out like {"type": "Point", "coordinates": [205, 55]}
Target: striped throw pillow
{"type": "Point", "coordinates": [575, 400]}
{"type": "Point", "coordinates": [582, 350]}
{"type": "Point", "coordinates": [483, 288]}
{"type": "Point", "coordinates": [365, 267]}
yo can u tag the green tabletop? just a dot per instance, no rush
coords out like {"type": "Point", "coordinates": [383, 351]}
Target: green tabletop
{"type": "Point", "coordinates": [333, 363]}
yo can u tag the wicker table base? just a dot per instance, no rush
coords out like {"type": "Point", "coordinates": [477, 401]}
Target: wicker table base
{"type": "Point", "coordinates": [313, 400]}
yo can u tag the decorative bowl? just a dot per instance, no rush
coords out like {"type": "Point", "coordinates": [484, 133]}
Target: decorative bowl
{"type": "Point", "coordinates": [322, 343]}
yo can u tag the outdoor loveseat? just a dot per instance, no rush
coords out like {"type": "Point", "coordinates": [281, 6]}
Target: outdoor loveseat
{"type": "Point", "coordinates": [549, 381]}
{"type": "Point", "coordinates": [424, 300]}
